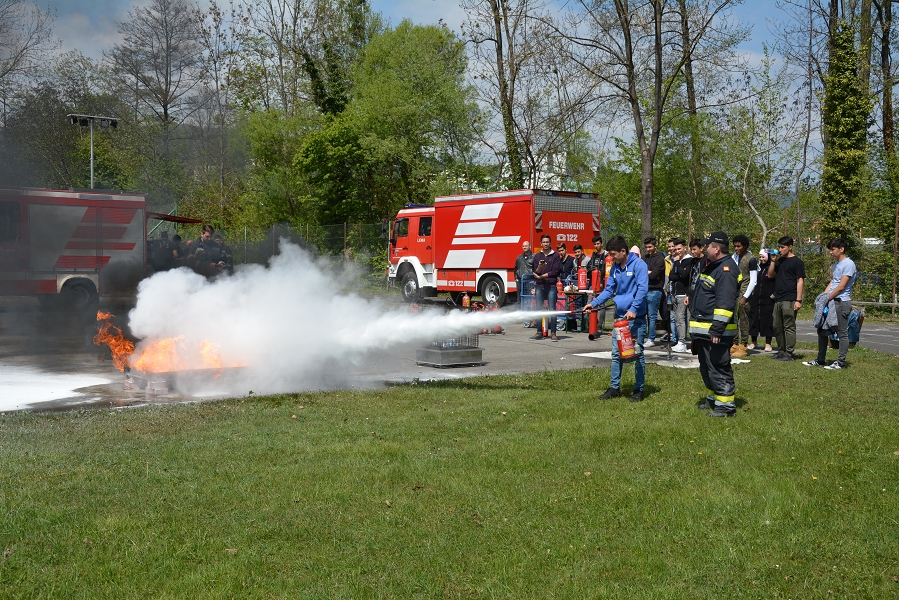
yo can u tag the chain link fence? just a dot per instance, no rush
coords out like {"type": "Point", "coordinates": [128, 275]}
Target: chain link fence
{"type": "Point", "coordinates": [365, 245]}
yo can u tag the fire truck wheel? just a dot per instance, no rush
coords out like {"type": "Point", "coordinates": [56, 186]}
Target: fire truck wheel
{"type": "Point", "coordinates": [82, 297]}
{"type": "Point", "coordinates": [492, 290]}
{"type": "Point", "coordinates": [411, 291]}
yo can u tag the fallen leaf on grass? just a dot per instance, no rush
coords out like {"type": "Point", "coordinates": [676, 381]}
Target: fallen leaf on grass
{"type": "Point", "coordinates": [896, 452]}
{"type": "Point", "coordinates": [293, 416]}
{"type": "Point", "coordinates": [503, 413]}
{"type": "Point", "coordinates": [231, 550]}
{"type": "Point", "coordinates": [387, 502]}
{"type": "Point", "coordinates": [8, 552]}
{"type": "Point", "coordinates": [587, 473]}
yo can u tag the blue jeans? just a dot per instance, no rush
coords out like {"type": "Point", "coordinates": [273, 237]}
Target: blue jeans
{"type": "Point", "coordinates": [653, 299]}
{"type": "Point", "coordinates": [638, 330]}
{"type": "Point", "coordinates": [553, 294]}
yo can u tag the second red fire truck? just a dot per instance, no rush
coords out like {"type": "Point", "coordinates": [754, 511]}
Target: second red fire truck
{"type": "Point", "coordinates": [469, 243]}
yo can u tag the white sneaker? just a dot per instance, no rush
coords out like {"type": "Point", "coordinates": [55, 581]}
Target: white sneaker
{"type": "Point", "coordinates": [679, 347]}
{"type": "Point", "coordinates": [648, 344]}
{"type": "Point", "coordinates": [835, 366]}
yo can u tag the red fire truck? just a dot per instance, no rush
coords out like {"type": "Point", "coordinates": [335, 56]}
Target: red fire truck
{"type": "Point", "coordinates": [72, 245]}
{"type": "Point", "coordinates": [469, 243]}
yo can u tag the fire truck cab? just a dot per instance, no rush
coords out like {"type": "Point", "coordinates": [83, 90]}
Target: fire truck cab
{"type": "Point", "coordinates": [469, 243]}
{"type": "Point", "coordinates": [71, 245]}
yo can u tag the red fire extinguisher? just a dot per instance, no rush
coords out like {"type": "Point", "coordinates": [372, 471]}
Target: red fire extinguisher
{"type": "Point", "coordinates": [594, 325]}
{"type": "Point", "coordinates": [582, 278]}
{"type": "Point", "coordinates": [558, 290]}
{"type": "Point", "coordinates": [498, 328]}
{"type": "Point", "coordinates": [594, 281]}
{"type": "Point", "coordinates": [466, 301]}
{"type": "Point", "coordinates": [621, 331]}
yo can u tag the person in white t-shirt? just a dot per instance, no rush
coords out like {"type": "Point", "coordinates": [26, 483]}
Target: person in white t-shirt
{"type": "Point", "coordinates": [839, 290]}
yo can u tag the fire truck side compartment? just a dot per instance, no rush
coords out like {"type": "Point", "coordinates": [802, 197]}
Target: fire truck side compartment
{"type": "Point", "coordinates": [64, 240]}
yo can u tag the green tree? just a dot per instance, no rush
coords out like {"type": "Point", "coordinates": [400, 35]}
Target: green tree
{"type": "Point", "coordinates": [846, 113]}
{"type": "Point", "coordinates": [403, 128]}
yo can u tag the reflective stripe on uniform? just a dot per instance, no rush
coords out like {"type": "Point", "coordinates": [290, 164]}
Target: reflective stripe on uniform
{"type": "Point", "coordinates": [720, 398]}
{"type": "Point", "coordinates": [708, 278]}
{"type": "Point", "coordinates": [702, 328]}
{"type": "Point", "coordinates": [723, 315]}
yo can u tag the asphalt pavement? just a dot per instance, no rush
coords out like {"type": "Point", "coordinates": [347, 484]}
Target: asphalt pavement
{"type": "Point", "coordinates": [48, 361]}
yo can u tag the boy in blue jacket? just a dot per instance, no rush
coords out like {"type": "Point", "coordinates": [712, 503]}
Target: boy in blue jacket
{"type": "Point", "coordinates": [627, 282]}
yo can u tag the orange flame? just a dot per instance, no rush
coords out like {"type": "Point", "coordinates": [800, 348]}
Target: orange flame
{"type": "Point", "coordinates": [111, 335]}
{"type": "Point", "coordinates": [177, 354]}
{"type": "Point", "coordinates": [158, 356]}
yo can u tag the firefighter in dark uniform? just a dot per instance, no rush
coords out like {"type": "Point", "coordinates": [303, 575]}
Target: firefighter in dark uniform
{"type": "Point", "coordinates": [226, 255]}
{"type": "Point", "coordinates": [713, 306]}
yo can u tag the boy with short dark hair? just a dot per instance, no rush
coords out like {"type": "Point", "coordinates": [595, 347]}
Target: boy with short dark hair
{"type": "Point", "coordinates": [788, 272]}
{"type": "Point", "coordinates": [838, 291]}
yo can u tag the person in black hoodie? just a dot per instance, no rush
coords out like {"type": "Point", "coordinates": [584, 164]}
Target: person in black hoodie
{"type": "Point", "coordinates": [679, 280]}
{"type": "Point", "coordinates": [655, 264]}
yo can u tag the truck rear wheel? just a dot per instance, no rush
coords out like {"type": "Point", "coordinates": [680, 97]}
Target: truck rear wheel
{"type": "Point", "coordinates": [82, 297]}
{"type": "Point", "coordinates": [411, 291]}
{"type": "Point", "coordinates": [493, 290]}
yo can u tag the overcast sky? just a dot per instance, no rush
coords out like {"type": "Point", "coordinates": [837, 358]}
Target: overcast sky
{"type": "Point", "coordinates": [90, 26]}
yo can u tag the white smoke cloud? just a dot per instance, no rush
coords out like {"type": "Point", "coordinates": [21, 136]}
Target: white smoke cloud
{"type": "Point", "coordinates": [288, 322]}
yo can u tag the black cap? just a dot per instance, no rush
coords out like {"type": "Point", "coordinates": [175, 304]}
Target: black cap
{"type": "Point", "coordinates": [719, 237]}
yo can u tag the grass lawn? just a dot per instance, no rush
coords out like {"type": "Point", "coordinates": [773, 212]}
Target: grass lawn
{"type": "Point", "coordinates": [493, 487]}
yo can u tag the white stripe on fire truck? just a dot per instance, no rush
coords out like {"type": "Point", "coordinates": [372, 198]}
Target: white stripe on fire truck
{"type": "Point", "coordinates": [464, 259]}
{"type": "Point", "coordinates": [499, 239]}
{"type": "Point", "coordinates": [481, 228]}
{"type": "Point", "coordinates": [481, 212]}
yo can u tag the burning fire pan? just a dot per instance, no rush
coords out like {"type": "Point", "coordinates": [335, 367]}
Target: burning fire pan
{"type": "Point", "coordinates": [187, 381]}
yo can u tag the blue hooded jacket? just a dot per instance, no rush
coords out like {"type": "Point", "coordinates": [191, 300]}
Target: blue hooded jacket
{"type": "Point", "coordinates": [628, 286]}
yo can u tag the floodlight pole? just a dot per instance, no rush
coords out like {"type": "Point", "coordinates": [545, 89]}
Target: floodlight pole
{"type": "Point", "coordinates": [83, 120]}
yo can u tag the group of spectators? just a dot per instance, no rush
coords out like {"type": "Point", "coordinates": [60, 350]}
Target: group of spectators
{"type": "Point", "coordinates": [208, 255]}
{"type": "Point", "coordinates": [733, 297]}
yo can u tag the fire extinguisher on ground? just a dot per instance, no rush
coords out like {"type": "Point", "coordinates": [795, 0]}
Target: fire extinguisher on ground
{"type": "Point", "coordinates": [498, 328]}
{"type": "Point", "coordinates": [466, 301]}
